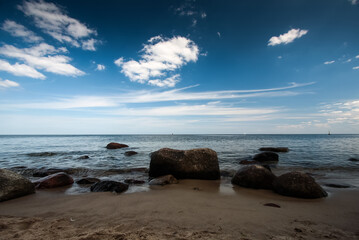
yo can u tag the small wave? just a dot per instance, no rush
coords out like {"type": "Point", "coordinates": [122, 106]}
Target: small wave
{"type": "Point", "coordinates": [42, 154]}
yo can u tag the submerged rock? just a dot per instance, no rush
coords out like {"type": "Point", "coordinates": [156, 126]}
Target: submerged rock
{"type": "Point", "coordinates": [114, 145]}
{"type": "Point", "coordinates": [163, 180]}
{"type": "Point", "coordinates": [274, 149]}
{"type": "Point", "coordinates": [201, 163]}
{"type": "Point", "coordinates": [42, 154]}
{"type": "Point", "coordinates": [13, 185]}
{"type": "Point", "coordinates": [353, 160]}
{"type": "Point", "coordinates": [130, 153]}
{"type": "Point", "coordinates": [255, 176]}
{"type": "Point", "coordinates": [109, 186]}
{"type": "Point", "coordinates": [134, 181]}
{"type": "Point", "coordinates": [55, 180]}
{"type": "Point", "coordinates": [87, 181]}
{"type": "Point", "coordinates": [297, 184]}
{"type": "Point", "coordinates": [83, 157]}
{"type": "Point", "coordinates": [47, 172]}
{"type": "Point", "coordinates": [334, 185]}
{"type": "Point", "coordinates": [266, 157]}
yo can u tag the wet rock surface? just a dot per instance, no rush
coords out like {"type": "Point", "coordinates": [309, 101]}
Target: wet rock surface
{"type": "Point", "coordinates": [274, 149]}
{"type": "Point", "coordinates": [201, 163]}
{"type": "Point", "coordinates": [83, 181]}
{"type": "Point", "coordinates": [130, 153]}
{"type": "Point", "coordinates": [55, 180]}
{"type": "Point", "coordinates": [109, 186]}
{"type": "Point", "coordinates": [13, 185]}
{"type": "Point", "coordinates": [164, 180]}
{"type": "Point", "coordinates": [114, 145]}
{"type": "Point", "coordinates": [266, 157]}
{"type": "Point", "coordinates": [297, 184]}
{"type": "Point", "coordinates": [254, 176]}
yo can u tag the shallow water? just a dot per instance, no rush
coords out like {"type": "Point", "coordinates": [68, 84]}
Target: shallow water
{"type": "Point", "coordinates": [325, 156]}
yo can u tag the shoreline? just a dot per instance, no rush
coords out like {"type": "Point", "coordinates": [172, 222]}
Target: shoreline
{"type": "Point", "coordinates": [191, 209]}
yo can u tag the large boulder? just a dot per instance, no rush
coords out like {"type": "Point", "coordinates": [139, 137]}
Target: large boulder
{"type": "Point", "coordinates": [13, 185]}
{"type": "Point", "coordinates": [297, 184]}
{"type": "Point", "coordinates": [254, 176]}
{"type": "Point", "coordinates": [55, 180]}
{"type": "Point", "coordinates": [274, 149]}
{"type": "Point", "coordinates": [266, 157]}
{"type": "Point", "coordinates": [113, 145]}
{"type": "Point", "coordinates": [201, 163]}
{"type": "Point", "coordinates": [164, 180]}
{"type": "Point", "coordinates": [109, 186]}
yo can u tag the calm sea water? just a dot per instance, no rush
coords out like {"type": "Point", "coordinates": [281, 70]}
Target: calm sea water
{"type": "Point", "coordinates": [324, 156]}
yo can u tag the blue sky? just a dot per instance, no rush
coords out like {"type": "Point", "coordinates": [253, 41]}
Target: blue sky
{"type": "Point", "coordinates": [201, 67]}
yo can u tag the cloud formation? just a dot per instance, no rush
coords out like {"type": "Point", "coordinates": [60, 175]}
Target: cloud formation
{"type": "Point", "coordinates": [20, 70]}
{"type": "Point", "coordinates": [43, 56]}
{"type": "Point", "coordinates": [18, 30]}
{"type": "Point", "coordinates": [53, 20]}
{"type": "Point", "coordinates": [353, 2]}
{"type": "Point", "coordinates": [288, 37]}
{"type": "Point", "coordinates": [8, 84]}
{"type": "Point", "coordinates": [100, 67]}
{"type": "Point", "coordinates": [329, 62]}
{"type": "Point", "coordinates": [160, 58]}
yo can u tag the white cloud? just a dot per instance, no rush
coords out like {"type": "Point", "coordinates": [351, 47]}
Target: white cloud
{"type": "Point", "coordinates": [8, 83]}
{"type": "Point", "coordinates": [342, 112]}
{"type": "Point", "coordinates": [20, 70]}
{"type": "Point", "coordinates": [18, 30]}
{"type": "Point", "coordinates": [329, 62]}
{"type": "Point", "coordinates": [219, 34]}
{"type": "Point", "coordinates": [355, 68]}
{"type": "Point", "coordinates": [43, 57]}
{"type": "Point", "coordinates": [203, 15]}
{"type": "Point", "coordinates": [279, 57]}
{"type": "Point", "coordinates": [288, 37]}
{"type": "Point", "coordinates": [353, 2]}
{"type": "Point", "coordinates": [100, 67]}
{"type": "Point", "coordinates": [54, 21]}
{"type": "Point", "coordinates": [160, 58]}
{"type": "Point", "coordinates": [89, 44]}
{"type": "Point", "coordinates": [357, 56]}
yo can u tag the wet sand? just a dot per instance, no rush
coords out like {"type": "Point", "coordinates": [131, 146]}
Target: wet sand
{"type": "Point", "coordinates": [192, 209]}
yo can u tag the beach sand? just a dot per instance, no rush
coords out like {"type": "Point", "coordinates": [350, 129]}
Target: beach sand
{"type": "Point", "coordinates": [192, 209]}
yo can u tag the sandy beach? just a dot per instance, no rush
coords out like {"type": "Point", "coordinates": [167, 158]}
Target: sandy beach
{"type": "Point", "coordinates": [192, 209]}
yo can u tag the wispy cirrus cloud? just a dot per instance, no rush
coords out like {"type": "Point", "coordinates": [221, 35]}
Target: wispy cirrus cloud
{"type": "Point", "coordinates": [18, 30]}
{"type": "Point", "coordinates": [288, 37]}
{"type": "Point", "coordinates": [8, 83]}
{"type": "Point", "coordinates": [20, 70]}
{"type": "Point", "coordinates": [53, 20]}
{"type": "Point", "coordinates": [44, 57]}
{"type": "Point", "coordinates": [174, 95]}
{"type": "Point", "coordinates": [160, 59]}
{"type": "Point", "coordinates": [329, 62]}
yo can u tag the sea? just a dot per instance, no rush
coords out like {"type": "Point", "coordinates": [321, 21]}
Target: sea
{"type": "Point", "coordinates": [325, 157]}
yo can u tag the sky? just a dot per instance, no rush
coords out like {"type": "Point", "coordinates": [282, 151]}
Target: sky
{"type": "Point", "coordinates": [182, 67]}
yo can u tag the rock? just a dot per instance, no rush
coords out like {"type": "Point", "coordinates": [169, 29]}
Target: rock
{"type": "Point", "coordinates": [247, 162]}
{"type": "Point", "coordinates": [271, 205]}
{"type": "Point", "coordinates": [13, 185]}
{"type": "Point", "coordinates": [109, 186]}
{"type": "Point", "coordinates": [47, 172]}
{"type": "Point", "coordinates": [134, 181]}
{"type": "Point", "coordinates": [266, 157]}
{"type": "Point", "coordinates": [55, 180]}
{"type": "Point", "coordinates": [297, 184]}
{"type": "Point", "coordinates": [114, 145]}
{"type": "Point", "coordinates": [353, 160]}
{"type": "Point", "coordinates": [163, 180]}
{"type": "Point", "coordinates": [201, 163]}
{"type": "Point", "coordinates": [83, 157]}
{"type": "Point", "coordinates": [255, 176]}
{"type": "Point", "coordinates": [334, 185]}
{"type": "Point", "coordinates": [87, 181]}
{"type": "Point", "coordinates": [130, 153]}
{"type": "Point", "coordinates": [274, 149]}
